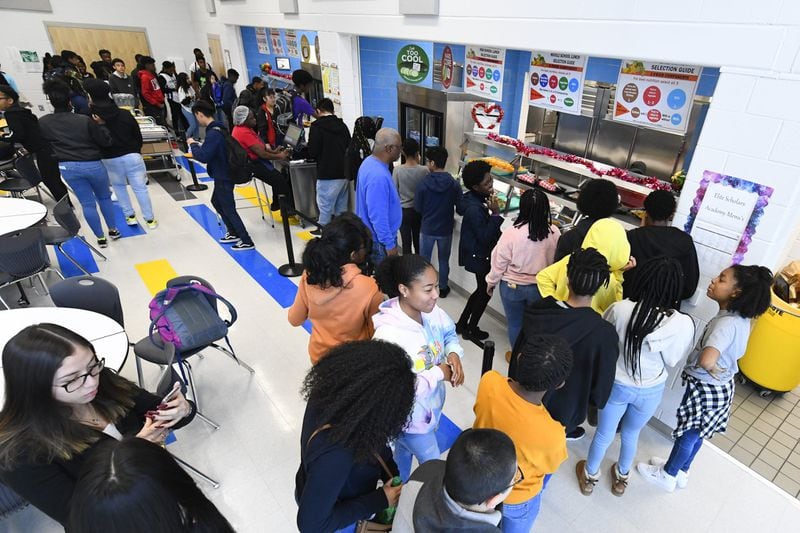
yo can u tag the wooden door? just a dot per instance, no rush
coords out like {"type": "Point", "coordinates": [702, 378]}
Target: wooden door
{"type": "Point", "coordinates": [217, 61]}
{"type": "Point", "coordinates": [85, 41]}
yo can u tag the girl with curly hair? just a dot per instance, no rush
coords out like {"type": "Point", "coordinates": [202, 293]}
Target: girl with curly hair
{"type": "Point", "coordinates": [359, 398]}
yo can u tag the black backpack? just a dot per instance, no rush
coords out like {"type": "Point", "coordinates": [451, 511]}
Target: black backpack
{"type": "Point", "coordinates": [284, 112]}
{"type": "Point", "coordinates": [237, 158]}
{"type": "Point", "coordinates": [247, 99]}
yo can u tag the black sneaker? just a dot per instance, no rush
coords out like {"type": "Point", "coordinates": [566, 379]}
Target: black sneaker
{"type": "Point", "coordinates": [576, 434]}
{"type": "Point", "coordinates": [228, 238]}
{"type": "Point", "coordinates": [461, 329]}
{"type": "Point", "coordinates": [316, 232]}
{"type": "Point", "coordinates": [444, 292]}
{"type": "Point", "coordinates": [114, 234]}
{"type": "Point", "coordinates": [241, 245]}
{"type": "Point", "coordinates": [479, 334]}
{"type": "Point", "coordinates": [102, 242]}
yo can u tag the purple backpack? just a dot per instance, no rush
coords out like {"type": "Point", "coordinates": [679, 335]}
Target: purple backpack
{"type": "Point", "coordinates": [184, 315]}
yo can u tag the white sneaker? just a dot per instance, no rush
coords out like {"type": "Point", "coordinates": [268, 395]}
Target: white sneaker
{"type": "Point", "coordinates": [656, 475]}
{"type": "Point", "coordinates": [682, 478]}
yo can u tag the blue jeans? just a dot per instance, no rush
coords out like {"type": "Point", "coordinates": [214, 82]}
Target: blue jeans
{"type": "Point", "coordinates": [125, 169]}
{"type": "Point", "coordinates": [634, 407]}
{"type": "Point", "coordinates": [444, 245]}
{"type": "Point", "coordinates": [515, 300]}
{"type": "Point", "coordinates": [423, 446]}
{"type": "Point", "coordinates": [224, 203]}
{"type": "Point", "coordinates": [331, 199]}
{"type": "Point", "coordinates": [89, 181]}
{"type": "Point", "coordinates": [193, 128]}
{"type": "Point", "coordinates": [683, 452]}
{"type": "Point", "coordinates": [519, 517]}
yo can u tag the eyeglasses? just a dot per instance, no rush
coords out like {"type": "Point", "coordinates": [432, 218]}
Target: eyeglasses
{"type": "Point", "coordinates": [519, 477]}
{"type": "Point", "coordinates": [78, 381]}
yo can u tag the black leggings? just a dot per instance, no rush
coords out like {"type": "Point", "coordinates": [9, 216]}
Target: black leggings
{"type": "Point", "coordinates": [476, 304]}
{"type": "Point", "coordinates": [409, 230]}
{"type": "Point", "coordinates": [51, 175]}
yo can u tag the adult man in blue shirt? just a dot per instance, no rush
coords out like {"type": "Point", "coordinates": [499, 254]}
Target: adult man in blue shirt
{"type": "Point", "coordinates": [377, 200]}
{"type": "Point", "coordinates": [214, 153]}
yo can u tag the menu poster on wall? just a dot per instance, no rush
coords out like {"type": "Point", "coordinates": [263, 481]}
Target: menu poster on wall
{"type": "Point", "coordinates": [557, 81]}
{"type": "Point", "coordinates": [484, 71]}
{"type": "Point", "coordinates": [723, 219]}
{"type": "Point", "coordinates": [291, 43]}
{"type": "Point", "coordinates": [655, 95]}
{"type": "Point", "coordinates": [277, 42]}
{"type": "Point", "coordinates": [261, 41]}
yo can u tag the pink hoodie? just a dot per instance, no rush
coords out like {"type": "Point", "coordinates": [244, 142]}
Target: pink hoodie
{"type": "Point", "coordinates": [517, 259]}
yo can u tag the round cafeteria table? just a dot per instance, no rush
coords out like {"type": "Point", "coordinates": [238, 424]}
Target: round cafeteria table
{"type": "Point", "coordinates": [17, 214]}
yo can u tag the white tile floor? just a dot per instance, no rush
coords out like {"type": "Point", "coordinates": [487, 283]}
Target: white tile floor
{"type": "Point", "coordinates": [255, 452]}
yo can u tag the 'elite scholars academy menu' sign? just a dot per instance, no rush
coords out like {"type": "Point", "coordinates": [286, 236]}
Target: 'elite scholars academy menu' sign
{"type": "Point", "coordinates": [557, 81]}
{"type": "Point", "coordinates": [655, 95]}
{"type": "Point", "coordinates": [484, 71]}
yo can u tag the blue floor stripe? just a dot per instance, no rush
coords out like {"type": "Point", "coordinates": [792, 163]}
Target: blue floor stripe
{"type": "Point", "coordinates": [283, 291]}
{"type": "Point", "coordinates": [123, 227]}
{"type": "Point", "coordinates": [81, 253]}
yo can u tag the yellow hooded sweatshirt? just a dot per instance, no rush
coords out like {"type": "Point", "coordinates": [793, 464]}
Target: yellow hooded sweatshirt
{"type": "Point", "coordinates": [609, 238]}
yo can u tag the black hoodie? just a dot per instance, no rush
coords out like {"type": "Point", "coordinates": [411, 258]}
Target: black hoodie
{"type": "Point", "coordinates": [123, 127]}
{"type": "Point", "coordinates": [25, 129]}
{"type": "Point", "coordinates": [328, 139]}
{"type": "Point", "coordinates": [654, 241]}
{"type": "Point", "coordinates": [595, 348]}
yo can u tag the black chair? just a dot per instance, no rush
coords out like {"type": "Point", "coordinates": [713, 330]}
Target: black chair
{"type": "Point", "coordinates": [146, 350]}
{"type": "Point", "coordinates": [23, 255]}
{"type": "Point", "coordinates": [91, 294]}
{"type": "Point", "coordinates": [68, 228]}
{"type": "Point", "coordinates": [165, 381]}
{"type": "Point", "coordinates": [23, 177]}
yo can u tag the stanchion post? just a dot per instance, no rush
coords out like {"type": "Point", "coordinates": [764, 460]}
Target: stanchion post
{"type": "Point", "coordinates": [488, 356]}
{"type": "Point", "coordinates": [290, 269]}
{"type": "Point", "coordinates": [195, 185]}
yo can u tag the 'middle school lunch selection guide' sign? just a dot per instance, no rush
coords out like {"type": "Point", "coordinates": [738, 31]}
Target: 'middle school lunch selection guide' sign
{"type": "Point", "coordinates": [655, 95]}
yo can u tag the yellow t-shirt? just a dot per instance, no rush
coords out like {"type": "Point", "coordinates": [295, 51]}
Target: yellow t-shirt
{"type": "Point", "coordinates": [541, 442]}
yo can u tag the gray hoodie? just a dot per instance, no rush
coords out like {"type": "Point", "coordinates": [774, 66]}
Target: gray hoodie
{"type": "Point", "coordinates": [426, 506]}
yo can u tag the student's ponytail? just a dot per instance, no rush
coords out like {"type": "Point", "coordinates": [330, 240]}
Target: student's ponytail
{"type": "Point", "coordinates": [754, 283]}
{"type": "Point", "coordinates": [399, 270]}
{"type": "Point", "coordinates": [325, 256]}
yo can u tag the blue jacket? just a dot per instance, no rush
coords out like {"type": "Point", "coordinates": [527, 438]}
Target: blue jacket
{"type": "Point", "coordinates": [213, 152]}
{"type": "Point", "coordinates": [480, 231]}
{"type": "Point", "coordinates": [228, 94]}
{"type": "Point", "coordinates": [435, 199]}
{"type": "Point", "coordinates": [377, 201]}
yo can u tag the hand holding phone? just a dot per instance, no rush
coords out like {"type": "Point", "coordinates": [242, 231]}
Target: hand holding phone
{"type": "Point", "coordinates": [173, 407]}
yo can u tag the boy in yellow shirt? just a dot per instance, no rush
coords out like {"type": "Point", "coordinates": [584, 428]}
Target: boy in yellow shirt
{"type": "Point", "coordinates": [515, 408]}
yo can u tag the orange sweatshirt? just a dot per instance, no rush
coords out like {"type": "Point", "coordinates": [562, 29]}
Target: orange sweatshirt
{"type": "Point", "coordinates": [337, 314]}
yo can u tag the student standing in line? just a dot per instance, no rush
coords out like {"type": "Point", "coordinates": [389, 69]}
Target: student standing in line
{"type": "Point", "coordinates": [524, 248]}
{"type": "Point", "coordinates": [598, 199]}
{"type": "Point", "coordinates": [229, 93]}
{"type": "Point", "coordinates": [480, 231]}
{"type": "Point", "coordinates": [123, 159]}
{"type": "Point", "coordinates": [214, 153]}
{"type": "Point", "coordinates": [377, 201]}
{"type": "Point", "coordinates": [334, 293]}
{"type": "Point", "coordinates": [60, 404]}
{"type": "Point", "coordinates": [212, 93]}
{"type": "Point", "coordinates": [435, 199]}
{"type": "Point", "coordinates": [742, 293]}
{"type": "Point", "coordinates": [152, 96]}
{"type": "Point", "coordinates": [121, 83]}
{"type": "Point", "coordinates": [24, 130]}
{"type": "Point", "coordinates": [462, 493]}
{"type": "Point", "coordinates": [653, 335]}
{"type": "Point", "coordinates": [412, 319]}
{"type": "Point", "coordinates": [658, 237]}
{"type": "Point", "coordinates": [361, 145]}
{"type": "Point", "coordinates": [328, 138]}
{"type": "Point", "coordinates": [187, 97]}
{"type": "Point", "coordinates": [103, 68]}
{"type": "Point", "coordinates": [358, 398]}
{"type": "Point", "coordinates": [78, 143]}
{"type": "Point", "coordinates": [301, 107]}
{"type": "Point", "coordinates": [594, 342]}
{"type": "Point", "coordinates": [515, 407]}
{"type": "Point", "coordinates": [201, 75]}
{"type": "Point", "coordinates": [406, 178]}
{"type": "Point", "coordinates": [168, 82]}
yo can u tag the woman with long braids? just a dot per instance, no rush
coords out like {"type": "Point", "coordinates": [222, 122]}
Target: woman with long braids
{"type": "Point", "coordinates": [652, 336]}
{"type": "Point", "coordinates": [524, 248]}
{"type": "Point", "coordinates": [359, 398]}
{"type": "Point", "coordinates": [360, 148]}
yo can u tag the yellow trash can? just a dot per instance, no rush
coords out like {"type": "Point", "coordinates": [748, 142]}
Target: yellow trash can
{"type": "Point", "coordinates": [772, 359]}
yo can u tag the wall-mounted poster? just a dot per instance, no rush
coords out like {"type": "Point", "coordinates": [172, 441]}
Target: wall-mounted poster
{"type": "Point", "coordinates": [484, 71]}
{"type": "Point", "coordinates": [655, 95]}
{"type": "Point", "coordinates": [413, 63]}
{"type": "Point", "coordinates": [291, 43]}
{"type": "Point", "coordinates": [277, 42]}
{"type": "Point", "coordinates": [723, 219]}
{"type": "Point", "coordinates": [261, 41]}
{"type": "Point", "coordinates": [557, 81]}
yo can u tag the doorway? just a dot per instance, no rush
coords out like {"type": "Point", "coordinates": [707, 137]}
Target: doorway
{"type": "Point", "coordinates": [85, 41]}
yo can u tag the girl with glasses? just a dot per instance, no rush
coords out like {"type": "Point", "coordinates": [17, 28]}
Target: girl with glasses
{"type": "Point", "coordinates": [60, 404]}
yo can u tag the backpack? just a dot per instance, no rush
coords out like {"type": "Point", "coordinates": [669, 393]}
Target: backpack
{"type": "Point", "coordinates": [284, 112]}
{"type": "Point", "coordinates": [238, 172]}
{"type": "Point", "coordinates": [183, 316]}
{"type": "Point", "coordinates": [245, 98]}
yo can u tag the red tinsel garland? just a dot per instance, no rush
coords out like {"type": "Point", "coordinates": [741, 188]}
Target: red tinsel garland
{"type": "Point", "coordinates": [650, 182]}
{"type": "Point", "coordinates": [486, 110]}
